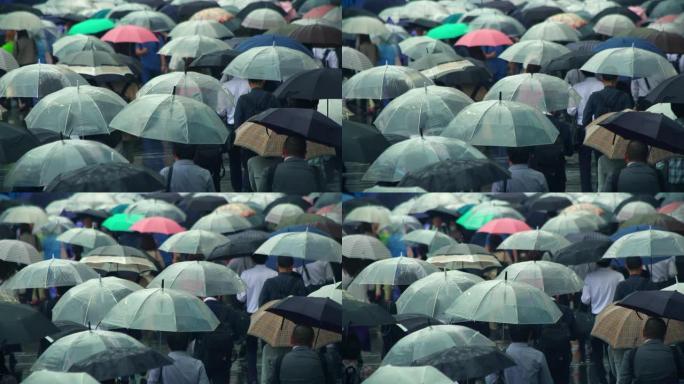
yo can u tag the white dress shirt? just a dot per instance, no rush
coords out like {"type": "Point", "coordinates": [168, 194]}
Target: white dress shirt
{"type": "Point", "coordinates": [599, 288]}
{"type": "Point", "coordinates": [663, 270]}
{"type": "Point", "coordinates": [254, 279]}
{"type": "Point", "coordinates": [584, 88]}
{"type": "Point", "coordinates": [236, 87]}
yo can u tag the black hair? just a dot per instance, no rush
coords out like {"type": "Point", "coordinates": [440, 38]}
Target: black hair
{"type": "Point", "coordinates": [184, 151]}
{"type": "Point", "coordinates": [520, 333]}
{"type": "Point", "coordinates": [637, 151]}
{"type": "Point", "coordinates": [518, 155]}
{"type": "Point", "coordinates": [603, 263]}
{"type": "Point", "coordinates": [177, 341]}
{"type": "Point", "coordinates": [655, 328]}
{"type": "Point", "coordinates": [259, 259]}
{"type": "Point", "coordinates": [608, 77]}
{"type": "Point", "coordinates": [295, 146]}
{"type": "Point", "coordinates": [633, 262]}
{"type": "Point", "coordinates": [302, 335]}
{"type": "Point", "coordinates": [285, 262]}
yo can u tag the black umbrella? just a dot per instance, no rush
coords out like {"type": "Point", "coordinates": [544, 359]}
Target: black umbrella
{"type": "Point", "coordinates": [133, 64]}
{"type": "Point", "coordinates": [214, 60]}
{"type": "Point", "coordinates": [20, 323]}
{"type": "Point", "coordinates": [616, 11]}
{"type": "Point", "coordinates": [587, 251]}
{"type": "Point", "coordinates": [362, 143]}
{"type": "Point", "coordinates": [411, 322]}
{"type": "Point", "coordinates": [240, 244]}
{"type": "Point", "coordinates": [583, 45]}
{"type": "Point", "coordinates": [667, 304]}
{"type": "Point", "coordinates": [96, 214]}
{"type": "Point", "coordinates": [196, 207]}
{"type": "Point", "coordinates": [13, 7]}
{"type": "Point", "coordinates": [107, 177]}
{"type": "Point", "coordinates": [455, 175]}
{"type": "Point", "coordinates": [466, 75]}
{"type": "Point", "coordinates": [654, 129]}
{"type": "Point", "coordinates": [15, 142]}
{"type": "Point", "coordinates": [316, 84]}
{"type": "Point", "coordinates": [359, 313]}
{"type": "Point", "coordinates": [467, 362]}
{"type": "Point", "coordinates": [316, 312]}
{"type": "Point", "coordinates": [185, 11]}
{"type": "Point", "coordinates": [318, 35]}
{"type": "Point", "coordinates": [154, 4]}
{"type": "Point", "coordinates": [536, 15]}
{"type": "Point", "coordinates": [308, 123]}
{"type": "Point", "coordinates": [501, 5]}
{"type": "Point", "coordinates": [352, 12]}
{"type": "Point", "coordinates": [548, 203]}
{"type": "Point", "coordinates": [668, 42]}
{"type": "Point", "coordinates": [420, 23]}
{"type": "Point", "coordinates": [319, 222]}
{"type": "Point", "coordinates": [110, 67]}
{"type": "Point", "coordinates": [669, 91]}
{"type": "Point", "coordinates": [568, 61]}
{"type": "Point", "coordinates": [253, 6]}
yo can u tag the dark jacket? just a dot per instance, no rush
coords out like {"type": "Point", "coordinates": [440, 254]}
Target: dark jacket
{"type": "Point", "coordinates": [294, 176]}
{"type": "Point", "coordinates": [253, 103]}
{"type": "Point", "coordinates": [651, 363]}
{"type": "Point", "coordinates": [632, 284]}
{"type": "Point", "coordinates": [635, 178]}
{"type": "Point", "coordinates": [281, 286]}
{"type": "Point", "coordinates": [550, 159]}
{"type": "Point", "coordinates": [609, 99]}
{"type": "Point", "coordinates": [302, 365]}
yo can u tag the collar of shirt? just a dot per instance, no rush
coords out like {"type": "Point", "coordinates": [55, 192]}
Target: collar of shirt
{"type": "Point", "coordinates": [183, 162]}
{"type": "Point", "coordinates": [518, 166]}
{"type": "Point", "coordinates": [210, 299]}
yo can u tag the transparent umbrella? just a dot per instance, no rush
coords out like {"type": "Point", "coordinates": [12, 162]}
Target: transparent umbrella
{"type": "Point", "coordinates": [86, 237]}
{"type": "Point", "coordinates": [282, 211]}
{"type": "Point", "coordinates": [117, 258]}
{"type": "Point", "coordinates": [270, 63]}
{"type": "Point", "coordinates": [172, 118]}
{"type": "Point", "coordinates": [407, 375]}
{"type": "Point", "coordinates": [648, 243]}
{"type": "Point", "coordinates": [17, 251]}
{"type": "Point", "coordinates": [552, 278]}
{"type": "Point", "coordinates": [37, 167]}
{"type": "Point", "coordinates": [200, 278]}
{"type": "Point", "coordinates": [77, 43]}
{"type": "Point", "coordinates": [415, 153]}
{"type": "Point", "coordinates": [24, 214]}
{"type": "Point", "coordinates": [432, 294]}
{"type": "Point", "coordinates": [538, 52]}
{"type": "Point", "coordinates": [551, 31]}
{"type": "Point", "coordinates": [428, 110]}
{"type": "Point", "coordinates": [569, 223]}
{"type": "Point", "coordinates": [543, 92]}
{"type": "Point", "coordinates": [614, 25]}
{"type": "Point", "coordinates": [302, 245]}
{"type": "Point", "coordinates": [154, 21]}
{"type": "Point", "coordinates": [50, 273]}
{"type": "Point", "coordinates": [263, 19]}
{"type": "Point", "coordinates": [82, 110]}
{"type": "Point", "coordinates": [395, 271]}
{"type": "Point", "coordinates": [364, 247]}
{"type": "Point", "coordinates": [384, 82]}
{"type": "Point", "coordinates": [432, 238]}
{"type": "Point", "coordinates": [192, 46]}
{"type": "Point", "coordinates": [222, 223]}
{"type": "Point", "coordinates": [154, 207]}
{"type": "Point", "coordinates": [208, 28]}
{"type": "Point", "coordinates": [20, 21]}
{"type": "Point", "coordinates": [503, 23]}
{"type": "Point", "coordinates": [194, 85]}
{"type": "Point", "coordinates": [369, 214]}
{"type": "Point", "coordinates": [88, 302]}
{"type": "Point", "coordinates": [45, 377]}
{"type": "Point", "coordinates": [501, 123]}
{"type": "Point", "coordinates": [629, 62]}
{"type": "Point", "coordinates": [364, 25]}
{"type": "Point", "coordinates": [38, 80]}
{"type": "Point", "coordinates": [355, 60]}
{"type": "Point", "coordinates": [534, 240]}
{"type": "Point", "coordinates": [161, 309]}
{"type": "Point", "coordinates": [193, 242]}
{"type": "Point", "coordinates": [419, 46]}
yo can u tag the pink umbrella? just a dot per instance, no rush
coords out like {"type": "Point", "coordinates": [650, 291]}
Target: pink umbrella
{"type": "Point", "coordinates": [157, 224]}
{"type": "Point", "coordinates": [129, 34]}
{"type": "Point", "coordinates": [484, 38]}
{"type": "Point", "coordinates": [667, 19]}
{"type": "Point", "coordinates": [504, 226]}
{"type": "Point", "coordinates": [639, 11]}
{"type": "Point", "coordinates": [318, 12]}
{"type": "Point", "coordinates": [671, 207]}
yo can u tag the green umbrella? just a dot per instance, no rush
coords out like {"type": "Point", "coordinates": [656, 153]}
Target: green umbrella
{"type": "Point", "coordinates": [86, 237]}
{"type": "Point", "coordinates": [38, 80]}
{"type": "Point", "coordinates": [162, 309]}
{"type": "Point", "coordinates": [499, 22]}
{"type": "Point", "coordinates": [193, 242]}
{"type": "Point", "coordinates": [363, 25]}
{"type": "Point", "coordinates": [91, 27]}
{"type": "Point", "coordinates": [20, 252]}
{"type": "Point", "coordinates": [154, 21]}
{"type": "Point", "coordinates": [551, 31]}
{"type": "Point", "coordinates": [566, 224]}
{"type": "Point", "coordinates": [542, 92]}
{"type": "Point", "coordinates": [629, 62]}
{"type": "Point", "coordinates": [483, 213]}
{"type": "Point", "coordinates": [538, 52]}
{"type": "Point", "coordinates": [118, 258]}
{"type": "Point", "coordinates": [82, 110]}
{"type": "Point", "coordinates": [364, 247]}
{"type": "Point", "coordinates": [24, 214]}
{"type": "Point", "coordinates": [415, 153]}
{"type": "Point", "coordinates": [428, 110]}
{"type": "Point", "coordinates": [448, 31]}
{"type": "Point", "coordinates": [121, 222]}
{"type": "Point", "coordinates": [432, 238]}
{"type": "Point", "coordinates": [51, 377]}
{"type": "Point", "coordinates": [37, 167]}
{"type": "Point", "coordinates": [154, 207]}
{"type": "Point", "coordinates": [649, 243]}
{"type": "Point", "coordinates": [20, 21]}
{"type": "Point", "coordinates": [432, 294]}
{"type": "Point", "coordinates": [395, 271]}
{"type": "Point", "coordinates": [88, 302]}
{"type": "Point", "coordinates": [270, 63]}
{"type": "Point", "coordinates": [534, 240]}
{"type": "Point", "coordinates": [200, 278]}
{"type": "Point", "coordinates": [372, 214]}
{"type": "Point", "coordinates": [552, 278]}
{"type": "Point", "coordinates": [499, 123]}
{"type": "Point", "coordinates": [419, 46]}
{"type": "Point", "coordinates": [614, 25]}
{"type": "Point", "coordinates": [76, 43]}
{"type": "Point", "coordinates": [384, 82]}
{"type": "Point", "coordinates": [302, 245]}
{"type": "Point", "coordinates": [193, 46]}
{"type": "Point", "coordinates": [222, 223]}
{"type": "Point", "coordinates": [50, 273]}
{"type": "Point", "coordinates": [407, 375]}
{"type": "Point", "coordinates": [172, 118]}
{"type": "Point", "coordinates": [507, 302]}
{"type": "Point", "coordinates": [208, 28]}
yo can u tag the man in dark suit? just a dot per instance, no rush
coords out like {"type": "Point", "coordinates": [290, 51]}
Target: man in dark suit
{"type": "Point", "coordinates": [302, 364]}
{"type": "Point", "coordinates": [637, 177]}
{"type": "Point", "coordinates": [294, 176]}
{"type": "Point", "coordinates": [286, 283]}
{"type": "Point", "coordinates": [635, 281]}
{"type": "Point", "coordinates": [653, 362]}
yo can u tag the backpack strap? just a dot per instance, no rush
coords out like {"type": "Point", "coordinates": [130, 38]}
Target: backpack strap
{"type": "Point", "coordinates": [168, 179]}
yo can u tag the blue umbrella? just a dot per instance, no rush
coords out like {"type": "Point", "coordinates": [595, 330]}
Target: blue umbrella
{"type": "Point", "coordinates": [268, 40]}
{"type": "Point", "coordinates": [626, 42]}
{"type": "Point", "coordinates": [631, 229]}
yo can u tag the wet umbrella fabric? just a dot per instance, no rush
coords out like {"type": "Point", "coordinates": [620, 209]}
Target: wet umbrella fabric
{"type": "Point", "coordinates": [111, 177]}
{"type": "Point", "coordinates": [20, 323]}
{"type": "Point", "coordinates": [38, 80]}
{"type": "Point", "coordinates": [241, 244]}
{"type": "Point", "coordinates": [407, 375]}
{"type": "Point", "coordinates": [14, 142]}
{"type": "Point", "coordinates": [316, 312]}
{"type": "Point", "coordinates": [200, 278]}
{"type": "Point", "coordinates": [362, 143]}
{"type": "Point", "coordinates": [270, 63]}
{"type": "Point", "coordinates": [45, 377]}
{"type": "Point", "coordinates": [395, 271]}
{"type": "Point", "coordinates": [629, 62]}
{"type": "Point", "coordinates": [465, 362]}
{"type": "Point", "coordinates": [665, 304]}
{"type": "Point", "coordinates": [323, 83]}
{"type": "Point", "coordinates": [650, 128]}
{"type": "Point", "coordinates": [304, 122]}
{"type": "Point", "coordinates": [384, 82]}
{"type": "Point", "coordinates": [582, 252]}
{"type": "Point", "coordinates": [455, 175]}
{"type": "Point", "coordinates": [669, 91]}
{"type": "Point", "coordinates": [50, 273]}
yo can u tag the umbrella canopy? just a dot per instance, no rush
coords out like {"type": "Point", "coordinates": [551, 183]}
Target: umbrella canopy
{"type": "Point", "coordinates": [78, 43]}
{"type": "Point", "coordinates": [270, 63]}
{"type": "Point", "coordinates": [14, 142]}
{"type": "Point", "coordinates": [503, 23]}
{"type": "Point", "coordinates": [501, 124]}
{"type": "Point", "coordinates": [50, 273]}
{"type": "Point", "coordinates": [100, 66]}
{"type": "Point", "coordinates": [407, 375]}
{"type": "Point", "coordinates": [154, 207]}
{"type": "Point", "coordinates": [39, 166]}
{"type": "Point", "coordinates": [363, 25]}
{"type": "Point", "coordinates": [318, 35]}
{"type": "Point", "coordinates": [239, 244]}
{"type": "Point", "coordinates": [38, 80]}
{"type": "Point", "coordinates": [551, 31]}
{"type": "Point", "coordinates": [668, 91]}
{"type": "Point", "coordinates": [91, 27]}
{"type": "Point", "coordinates": [82, 110]}
{"type": "Point", "coordinates": [17, 251]}
{"type": "Point", "coordinates": [455, 175]}
{"type": "Point", "coordinates": [362, 143]}
{"type": "Point", "coordinates": [432, 238]}
{"type": "Point", "coordinates": [432, 294]}
{"type": "Point", "coordinates": [462, 261]}
{"type": "Point", "coordinates": [263, 19]}
{"type": "Point", "coordinates": [20, 21]}
{"type": "Point", "coordinates": [669, 42]}
{"type": "Point", "coordinates": [8, 62]}
{"type": "Point", "coordinates": [534, 240]}
{"type": "Point", "coordinates": [364, 247]}
{"type": "Point", "coordinates": [219, 222]}
{"type": "Point", "coordinates": [108, 177]}
{"type": "Point", "coordinates": [505, 226]}
{"type": "Point", "coordinates": [464, 362]}
{"type": "Point", "coordinates": [448, 31]}
{"type": "Point", "coordinates": [44, 377]}
{"type": "Point", "coordinates": [265, 142]}
{"type": "Point", "coordinates": [543, 92]}
{"type": "Point", "coordinates": [629, 62]}
{"type": "Point", "coordinates": [303, 122]}
{"type": "Point", "coordinates": [193, 242]}
{"type": "Point", "coordinates": [86, 237]}
{"type": "Point", "coordinates": [20, 323]}
{"type": "Point", "coordinates": [130, 34]}
{"type": "Point", "coordinates": [418, 46]}
{"type": "Point", "coordinates": [316, 84]}
{"type": "Point", "coordinates": [650, 128]}
{"type": "Point", "coordinates": [302, 245]}
{"type": "Point", "coordinates": [159, 224]}
{"type": "Point", "coordinates": [395, 271]}
{"type": "Point", "coordinates": [537, 52]}
{"type": "Point", "coordinates": [636, 209]}
{"type": "Point", "coordinates": [505, 301]}
{"type": "Point", "coordinates": [484, 38]}
{"type": "Point", "coordinates": [614, 25]}
{"type": "Point", "coordinates": [415, 153]}
{"type": "Point", "coordinates": [172, 118]}
{"type": "Point", "coordinates": [570, 60]}
{"type": "Point", "coordinates": [622, 328]}
{"type": "Point", "coordinates": [151, 20]}
{"type": "Point", "coordinates": [369, 214]}
{"type": "Point", "coordinates": [200, 278]}
{"type": "Point", "coordinates": [88, 302]}
{"type": "Point", "coordinates": [208, 28]}
{"type": "Point", "coordinates": [104, 355]}
{"type": "Point", "coordinates": [120, 222]}
{"type": "Point", "coordinates": [654, 220]}
{"type": "Point", "coordinates": [666, 304]}
{"type": "Point", "coordinates": [384, 82]}
{"type": "Point", "coordinates": [281, 211]}
{"type": "Point", "coordinates": [116, 258]}
{"type": "Point", "coordinates": [573, 222]}
{"type": "Point", "coordinates": [192, 46]}
{"type": "Point", "coordinates": [312, 311]}
{"type": "Point", "coordinates": [482, 214]}
{"type": "Point", "coordinates": [648, 243]}
{"type": "Point", "coordinates": [24, 214]}
{"type": "Point", "coordinates": [355, 60]}
{"type": "Point", "coordinates": [583, 252]}
{"type": "Point", "coordinates": [552, 278]}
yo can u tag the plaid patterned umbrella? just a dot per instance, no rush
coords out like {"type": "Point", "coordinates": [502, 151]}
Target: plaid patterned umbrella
{"type": "Point", "coordinates": [265, 142]}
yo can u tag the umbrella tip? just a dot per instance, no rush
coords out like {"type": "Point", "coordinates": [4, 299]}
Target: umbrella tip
{"type": "Point", "coordinates": [506, 276]}
{"type": "Point", "coordinates": [162, 284]}
{"type": "Point", "coordinates": [500, 96]}
{"type": "Point", "coordinates": [90, 328]}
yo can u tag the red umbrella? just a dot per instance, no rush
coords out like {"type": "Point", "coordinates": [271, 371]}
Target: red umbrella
{"type": "Point", "coordinates": [157, 224]}
{"type": "Point", "coordinates": [318, 12]}
{"type": "Point", "coordinates": [484, 38]}
{"type": "Point", "coordinates": [671, 207]}
{"type": "Point", "coordinates": [504, 226]}
{"type": "Point", "coordinates": [129, 34]}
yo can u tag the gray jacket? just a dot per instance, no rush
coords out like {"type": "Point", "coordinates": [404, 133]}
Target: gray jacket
{"type": "Point", "coordinates": [294, 176]}
{"type": "Point", "coordinates": [635, 178]}
{"type": "Point", "coordinates": [651, 363]}
{"type": "Point", "coordinates": [300, 366]}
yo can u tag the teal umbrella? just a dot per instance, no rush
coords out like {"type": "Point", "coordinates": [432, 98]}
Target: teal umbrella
{"type": "Point", "coordinates": [121, 222]}
{"type": "Point", "coordinates": [483, 213]}
{"type": "Point", "coordinates": [448, 31]}
{"type": "Point", "coordinates": [172, 118]}
{"type": "Point", "coordinates": [193, 242]}
{"type": "Point", "coordinates": [50, 273]}
{"type": "Point", "coordinates": [552, 278]}
{"type": "Point", "coordinates": [200, 278]}
{"type": "Point", "coordinates": [395, 271]}
{"type": "Point", "coordinates": [537, 52]}
{"type": "Point", "coordinates": [91, 27]}
{"type": "Point", "coordinates": [500, 123]}
{"type": "Point", "coordinates": [551, 31]}
{"type": "Point", "coordinates": [38, 80]}
{"type": "Point", "coordinates": [432, 294]}
{"type": "Point", "coordinates": [629, 62]}
{"type": "Point", "coordinates": [302, 245]}
{"type": "Point", "coordinates": [432, 238]}
{"type": "Point", "coordinates": [270, 63]}
{"type": "Point", "coordinates": [384, 82]}
{"type": "Point", "coordinates": [427, 110]}
{"type": "Point", "coordinates": [542, 92]}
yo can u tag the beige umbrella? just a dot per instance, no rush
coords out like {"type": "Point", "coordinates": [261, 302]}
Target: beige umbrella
{"type": "Point", "coordinates": [621, 327]}
{"type": "Point", "coordinates": [216, 14]}
{"type": "Point", "coordinates": [265, 142]}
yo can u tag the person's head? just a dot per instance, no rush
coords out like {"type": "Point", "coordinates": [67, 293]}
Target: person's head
{"type": "Point", "coordinates": [184, 151]}
{"type": "Point", "coordinates": [603, 263]}
{"type": "Point", "coordinates": [294, 146]}
{"type": "Point", "coordinates": [259, 259]}
{"type": "Point", "coordinates": [520, 333]}
{"type": "Point", "coordinates": [256, 83]}
{"type": "Point", "coordinates": [532, 68]}
{"type": "Point", "coordinates": [285, 263]}
{"type": "Point", "coordinates": [177, 341]}
{"type": "Point", "coordinates": [608, 80]}
{"type": "Point", "coordinates": [302, 335]}
{"type": "Point", "coordinates": [518, 155]}
{"type": "Point", "coordinates": [634, 265]}
{"type": "Point", "coordinates": [636, 151]}
{"type": "Point", "coordinates": [655, 328]}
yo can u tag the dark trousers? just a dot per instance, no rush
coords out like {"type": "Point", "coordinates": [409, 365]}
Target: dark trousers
{"type": "Point", "coordinates": [597, 372]}
{"type": "Point", "coordinates": [252, 344]}
{"type": "Point", "coordinates": [559, 361]}
{"type": "Point", "coordinates": [234, 162]}
{"type": "Point", "coordinates": [585, 157]}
